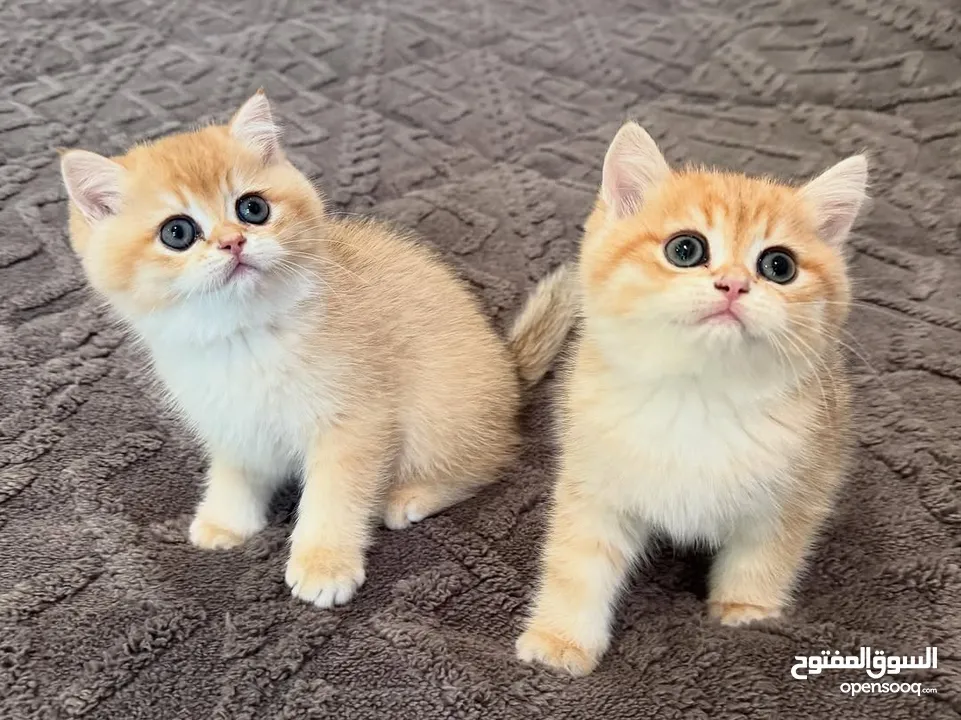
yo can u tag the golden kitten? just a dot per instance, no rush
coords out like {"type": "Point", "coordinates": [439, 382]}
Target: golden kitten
{"type": "Point", "coordinates": [298, 343]}
{"type": "Point", "coordinates": [707, 399]}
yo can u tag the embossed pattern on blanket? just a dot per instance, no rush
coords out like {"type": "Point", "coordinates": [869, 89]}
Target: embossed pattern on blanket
{"type": "Point", "coordinates": [481, 124]}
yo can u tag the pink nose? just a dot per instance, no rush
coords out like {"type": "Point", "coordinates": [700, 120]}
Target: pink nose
{"type": "Point", "coordinates": [733, 287]}
{"type": "Point", "coordinates": [234, 245]}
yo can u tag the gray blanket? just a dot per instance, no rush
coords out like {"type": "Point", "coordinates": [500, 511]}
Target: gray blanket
{"type": "Point", "coordinates": [482, 124]}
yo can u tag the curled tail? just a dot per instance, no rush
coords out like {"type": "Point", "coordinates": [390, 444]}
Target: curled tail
{"type": "Point", "coordinates": [539, 331]}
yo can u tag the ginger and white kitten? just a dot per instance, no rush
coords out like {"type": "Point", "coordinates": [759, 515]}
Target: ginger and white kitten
{"type": "Point", "coordinates": [298, 343]}
{"type": "Point", "coordinates": [707, 400]}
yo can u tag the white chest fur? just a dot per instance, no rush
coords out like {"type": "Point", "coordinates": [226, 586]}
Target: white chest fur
{"type": "Point", "coordinates": [692, 461]}
{"type": "Point", "coordinates": [247, 395]}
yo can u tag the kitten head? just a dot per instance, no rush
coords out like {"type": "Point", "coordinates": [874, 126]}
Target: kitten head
{"type": "Point", "coordinates": [210, 224]}
{"type": "Point", "coordinates": [718, 266]}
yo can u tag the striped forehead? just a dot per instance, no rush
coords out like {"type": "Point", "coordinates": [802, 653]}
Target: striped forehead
{"type": "Point", "coordinates": [730, 239]}
{"type": "Point", "coordinates": [207, 209]}
{"type": "Point", "coordinates": [738, 219]}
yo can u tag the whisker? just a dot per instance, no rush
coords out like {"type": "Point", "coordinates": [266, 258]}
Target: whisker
{"type": "Point", "coordinates": [328, 262]}
{"type": "Point", "coordinates": [303, 273]}
{"type": "Point", "coordinates": [790, 338]}
{"type": "Point", "coordinates": [858, 304]}
{"type": "Point", "coordinates": [844, 345]}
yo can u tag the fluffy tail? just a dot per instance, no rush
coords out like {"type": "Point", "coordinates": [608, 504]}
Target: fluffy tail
{"type": "Point", "coordinates": [539, 331]}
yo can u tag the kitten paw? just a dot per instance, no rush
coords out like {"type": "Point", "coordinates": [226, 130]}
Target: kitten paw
{"type": "Point", "coordinates": [407, 505]}
{"type": "Point", "coordinates": [324, 576]}
{"type": "Point", "coordinates": [733, 614]}
{"type": "Point", "coordinates": [210, 536]}
{"type": "Point", "coordinates": [554, 651]}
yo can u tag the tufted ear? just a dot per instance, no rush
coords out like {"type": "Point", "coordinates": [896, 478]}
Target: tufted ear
{"type": "Point", "coordinates": [633, 165]}
{"type": "Point", "coordinates": [253, 124]}
{"type": "Point", "coordinates": [93, 183]}
{"type": "Point", "coordinates": [836, 197]}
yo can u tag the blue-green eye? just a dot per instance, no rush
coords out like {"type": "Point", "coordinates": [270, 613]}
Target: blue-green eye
{"type": "Point", "coordinates": [179, 233]}
{"type": "Point", "coordinates": [686, 250]}
{"type": "Point", "coordinates": [253, 209]}
{"type": "Point", "coordinates": [778, 265]}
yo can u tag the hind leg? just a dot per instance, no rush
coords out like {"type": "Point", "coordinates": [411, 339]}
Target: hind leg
{"type": "Point", "coordinates": [411, 502]}
{"type": "Point", "coordinates": [451, 450]}
{"type": "Point", "coordinates": [426, 486]}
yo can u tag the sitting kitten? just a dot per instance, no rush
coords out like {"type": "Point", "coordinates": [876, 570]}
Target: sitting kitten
{"type": "Point", "coordinates": [707, 400]}
{"type": "Point", "coordinates": [295, 342]}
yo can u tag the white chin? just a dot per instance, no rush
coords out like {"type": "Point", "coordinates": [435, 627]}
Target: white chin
{"type": "Point", "coordinates": [723, 332]}
{"type": "Point", "coordinates": [243, 282]}
{"type": "Point", "coordinates": [723, 321]}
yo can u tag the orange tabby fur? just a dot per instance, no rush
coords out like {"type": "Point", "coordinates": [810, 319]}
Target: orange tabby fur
{"type": "Point", "coordinates": [727, 431]}
{"type": "Point", "coordinates": [339, 350]}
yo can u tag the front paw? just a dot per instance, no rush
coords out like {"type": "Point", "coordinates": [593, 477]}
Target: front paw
{"type": "Point", "coordinates": [209, 535]}
{"type": "Point", "coordinates": [549, 648]}
{"type": "Point", "coordinates": [324, 576]}
{"type": "Point", "coordinates": [734, 613]}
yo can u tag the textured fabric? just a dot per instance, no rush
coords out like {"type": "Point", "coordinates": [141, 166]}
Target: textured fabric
{"type": "Point", "coordinates": [482, 125]}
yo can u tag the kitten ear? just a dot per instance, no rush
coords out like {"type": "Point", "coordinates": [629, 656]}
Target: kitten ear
{"type": "Point", "coordinates": [93, 183]}
{"type": "Point", "coordinates": [836, 196]}
{"type": "Point", "coordinates": [633, 165]}
{"type": "Point", "coordinates": [253, 124]}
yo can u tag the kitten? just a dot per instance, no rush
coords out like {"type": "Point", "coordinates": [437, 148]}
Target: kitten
{"type": "Point", "coordinates": [298, 343]}
{"type": "Point", "coordinates": [707, 398]}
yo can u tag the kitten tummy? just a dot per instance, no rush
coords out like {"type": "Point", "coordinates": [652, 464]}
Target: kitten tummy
{"type": "Point", "coordinates": [707, 400]}
{"type": "Point", "coordinates": [295, 343]}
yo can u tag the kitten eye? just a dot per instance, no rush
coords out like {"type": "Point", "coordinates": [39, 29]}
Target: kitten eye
{"type": "Point", "coordinates": [686, 250]}
{"type": "Point", "coordinates": [179, 233]}
{"type": "Point", "coordinates": [777, 265]}
{"type": "Point", "coordinates": [253, 209]}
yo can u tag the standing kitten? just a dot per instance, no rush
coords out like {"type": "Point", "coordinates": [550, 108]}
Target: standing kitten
{"type": "Point", "coordinates": [294, 342]}
{"type": "Point", "coordinates": [707, 399]}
